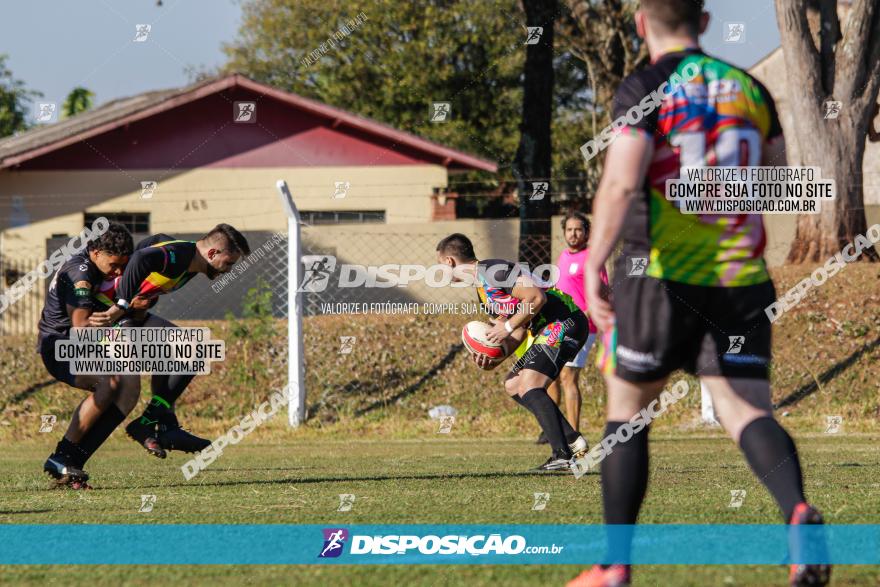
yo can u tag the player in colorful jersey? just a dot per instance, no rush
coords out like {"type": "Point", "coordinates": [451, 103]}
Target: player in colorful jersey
{"type": "Point", "coordinates": [560, 328]}
{"type": "Point", "coordinates": [159, 265]}
{"type": "Point", "coordinates": [688, 291]}
{"type": "Point", "coordinates": [68, 305]}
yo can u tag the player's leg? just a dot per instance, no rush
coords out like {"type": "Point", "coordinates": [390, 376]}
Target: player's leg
{"type": "Point", "coordinates": [126, 392]}
{"type": "Point", "coordinates": [158, 419]}
{"type": "Point", "coordinates": [555, 394]}
{"type": "Point", "coordinates": [528, 388]}
{"type": "Point", "coordinates": [536, 368]}
{"type": "Point", "coordinates": [568, 379]}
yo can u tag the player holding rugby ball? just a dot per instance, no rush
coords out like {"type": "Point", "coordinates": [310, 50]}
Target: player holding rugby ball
{"type": "Point", "coordinates": [519, 305]}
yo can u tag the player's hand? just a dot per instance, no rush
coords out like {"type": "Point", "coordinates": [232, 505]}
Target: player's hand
{"type": "Point", "coordinates": [484, 362]}
{"type": "Point", "coordinates": [107, 318]}
{"type": "Point", "coordinates": [598, 296]}
{"type": "Point", "coordinates": [497, 334]}
{"type": "Point", "coordinates": [140, 303]}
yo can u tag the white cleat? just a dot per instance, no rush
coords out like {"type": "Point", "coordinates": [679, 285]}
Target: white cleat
{"type": "Point", "coordinates": [579, 447]}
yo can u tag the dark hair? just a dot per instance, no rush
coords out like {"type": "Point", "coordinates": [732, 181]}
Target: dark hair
{"type": "Point", "coordinates": [671, 15]}
{"type": "Point", "coordinates": [116, 241]}
{"type": "Point", "coordinates": [457, 245]}
{"type": "Point", "coordinates": [235, 241]}
{"type": "Point", "coordinates": [577, 215]}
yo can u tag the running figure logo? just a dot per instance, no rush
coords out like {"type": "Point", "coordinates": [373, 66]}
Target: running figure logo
{"type": "Point", "coordinates": [141, 32]}
{"type": "Point", "coordinates": [334, 541]}
{"type": "Point", "coordinates": [736, 344]}
{"type": "Point", "coordinates": [147, 189]}
{"type": "Point", "coordinates": [832, 109]}
{"type": "Point", "coordinates": [535, 33]}
{"type": "Point", "coordinates": [318, 269]}
{"type": "Point", "coordinates": [637, 266]}
{"type": "Point", "coordinates": [539, 190]}
{"type": "Point", "coordinates": [47, 422]}
{"type": "Point", "coordinates": [346, 502]}
{"type": "Point", "coordinates": [833, 424]}
{"type": "Point", "coordinates": [245, 112]}
{"type": "Point", "coordinates": [441, 111]}
{"type": "Point", "coordinates": [147, 503]}
{"type": "Point", "coordinates": [541, 501]}
{"type": "Point", "coordinates": [46, 111]}
{"type": "Point", "coordinates": [736, 32]}
{"type": "Point", "coordinates": [737, 496]}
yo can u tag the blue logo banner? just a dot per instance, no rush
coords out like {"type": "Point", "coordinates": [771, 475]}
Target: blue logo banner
{"type": "Point", "coordinates": [206, 544]}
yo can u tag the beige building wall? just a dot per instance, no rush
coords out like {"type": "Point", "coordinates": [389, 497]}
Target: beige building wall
{"type": "Point", "coordinates": [53, 202]}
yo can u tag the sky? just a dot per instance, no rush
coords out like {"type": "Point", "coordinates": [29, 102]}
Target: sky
{"type": "Point", "coordinates": [56, 45]}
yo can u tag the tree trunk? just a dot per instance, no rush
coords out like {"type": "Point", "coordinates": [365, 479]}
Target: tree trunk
{"type": "Point", "coordinates": [532, 165]}
{"type": "Point", "coordinates": [843, 68]}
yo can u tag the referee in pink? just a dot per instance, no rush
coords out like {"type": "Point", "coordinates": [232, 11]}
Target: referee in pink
{"type": "Point", "coordinates": [571, 265]}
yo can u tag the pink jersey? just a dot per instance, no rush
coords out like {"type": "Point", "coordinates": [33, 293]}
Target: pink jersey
{"type": "Point", "coordinates": [571, 278]}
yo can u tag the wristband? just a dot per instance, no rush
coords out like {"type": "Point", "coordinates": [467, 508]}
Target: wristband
{"type": "Point", "coordinates": [508, 327]}
{"type": "Point", "coordinates": [122, 304]}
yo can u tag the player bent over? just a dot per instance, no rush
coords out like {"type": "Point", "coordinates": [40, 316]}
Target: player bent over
{"type": "Point", "coordinates": [69, 304]}
{"type": "Point", "coordinates": [161, 264]}
{"type": "Point", "coordinates": [698, 301]}
{"type": "Point", "coordinates": [559, 328]}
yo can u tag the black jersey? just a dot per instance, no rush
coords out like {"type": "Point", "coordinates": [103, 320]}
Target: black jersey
{"type": "Point", "coordinates": [496, 279]}
{"type": "Point", "coordinates": [72, 286]}
{"type": "Point", "coordinates": [159, 264]}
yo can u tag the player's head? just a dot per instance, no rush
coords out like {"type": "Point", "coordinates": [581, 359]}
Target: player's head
{"type": "Point", "coordinates": [454, 250]}
{"type": "Point", "coordinates": [576, 230]}
{"type": "Point", "coordinates": [221, 248]}
{"type": "Point", "coordinates": [660, 20]}
{"type": "Point", "coordinates": [110, 251]}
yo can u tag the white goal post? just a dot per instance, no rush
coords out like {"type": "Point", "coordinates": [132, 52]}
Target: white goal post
{"type": "Point", "coordinates": [296, 388]}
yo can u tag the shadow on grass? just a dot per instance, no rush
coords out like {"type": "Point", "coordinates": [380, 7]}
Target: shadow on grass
{"type": "Point", "coordinates": [441, 364]}
{"type": "Point", "coordinates": [23, 395]}
{"type": "Point", "coordinates": [366, 478]}
{"type": "Point", "coordinates": [827, 376]}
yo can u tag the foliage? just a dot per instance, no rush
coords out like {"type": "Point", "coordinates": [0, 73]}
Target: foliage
{"type": "Point", "coordinates": [15, 101]}
{"type": "Point", "coordinates": [78, 100]}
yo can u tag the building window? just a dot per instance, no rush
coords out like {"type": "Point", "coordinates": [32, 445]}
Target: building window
{"type": "Point", "coordinates": [343, 216]}
{"type": "Point", "coordinates": [135, 222]}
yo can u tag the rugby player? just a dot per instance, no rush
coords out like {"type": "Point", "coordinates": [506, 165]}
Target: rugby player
{"type": "Point", "coordinates": [571, 263]}
{"type": "Point", "coordinates": [111, 397]}
{"type": "Point", "coordinates": [559, 327]}
{"type": "Point", "coordinates": [705, 278]}
{"type": "Point", "coordinates": [161, 264]}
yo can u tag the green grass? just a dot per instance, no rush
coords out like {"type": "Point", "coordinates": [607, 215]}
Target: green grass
{"type": "Point", "coordinates": [433, 480]}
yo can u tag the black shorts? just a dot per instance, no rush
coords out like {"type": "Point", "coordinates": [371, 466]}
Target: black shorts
{"type": "Point", "coordinates": [556, 344]}
{"type": "Point", "coordinates": [60, 370]}
{"type": "Point", "coordinates": [661, 326]}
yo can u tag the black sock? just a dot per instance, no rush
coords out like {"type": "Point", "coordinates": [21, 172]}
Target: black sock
{"type": "Point", "coordinates": [100, 431]}
{"type": "Point", "coordinates": [157, 408]}
{"type": "Point", "coordinates": [624, 482]}
{"type": "Point", "coordinates": [773, 457]}
{"type": "Point", "coordinates": [71, 450]}
{"type": "Point", "coordinates": [570, 433]}
{"type": "Point", "coordinates": [549, 418]}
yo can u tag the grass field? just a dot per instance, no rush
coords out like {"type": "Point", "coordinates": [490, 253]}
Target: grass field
{"type": "Point", "coordinates": [434, 480]}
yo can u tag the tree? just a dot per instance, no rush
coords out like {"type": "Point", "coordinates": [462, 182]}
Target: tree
{"type": "Point", "coordinates": [15, 101]}
{"type": "Point", "coordinates": [822, 64]}
{"type": "Point", "coordinates": [532, 164]}
{"type": "Point", "coordinates": [602, 33]}
{"type": "Point", "coordinates": [397, 59]}
{"type": "Point", "coordinates": [78, 100]}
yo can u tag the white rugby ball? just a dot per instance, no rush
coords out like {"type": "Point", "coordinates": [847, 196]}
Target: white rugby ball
{"type": "Point", "coordinates": [475, 339]}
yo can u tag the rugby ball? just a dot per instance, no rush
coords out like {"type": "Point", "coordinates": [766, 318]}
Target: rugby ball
{"type": "Point", "coordinates": [473, 335]}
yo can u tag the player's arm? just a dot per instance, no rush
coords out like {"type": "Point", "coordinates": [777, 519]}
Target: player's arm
{"type": "Point", "coordinates": [140, 265]}
{"type": "Point", "coordinates": [77, 297]}
{"type": "Point", "coordinates": [532, 300]}
{"type": "Point", "coordinates": [622, 180]}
